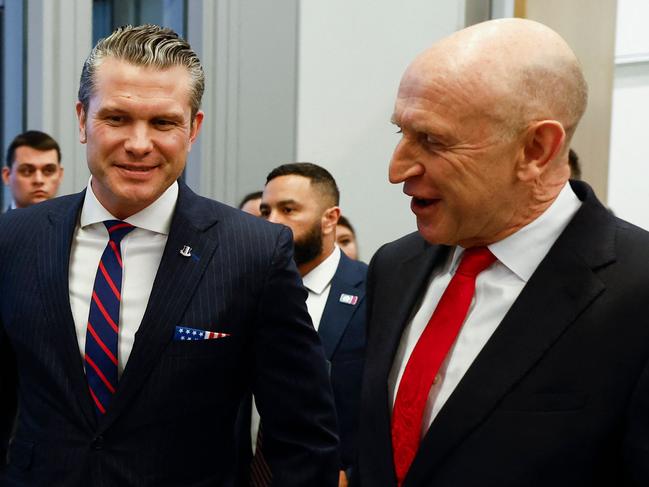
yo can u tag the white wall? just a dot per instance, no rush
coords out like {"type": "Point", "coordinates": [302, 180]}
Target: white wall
{"type": "Point", "coordinates": [351, 57]}
{"type": "Point", "coordinates": [628, 193]}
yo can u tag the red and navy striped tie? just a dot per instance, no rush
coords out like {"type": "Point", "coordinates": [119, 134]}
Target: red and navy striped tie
{"type": "Point", "coordinates": [103, 322]}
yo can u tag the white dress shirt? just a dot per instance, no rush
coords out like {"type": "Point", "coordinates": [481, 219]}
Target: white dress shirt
{"type": "Point", "coordinates": [496, 290]}
{"type": "Point", "coordinates": [318, 283]}
{"type": "Point", "coordinates": [141, 254]}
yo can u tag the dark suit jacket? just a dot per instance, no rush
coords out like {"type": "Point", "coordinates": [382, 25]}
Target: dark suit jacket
{"type": "Point", "coordinates": [171, 422]}
{"type": "Point", "coordinates": [342, 332]}
{"type": "Point", "coordinates": [559, 396]}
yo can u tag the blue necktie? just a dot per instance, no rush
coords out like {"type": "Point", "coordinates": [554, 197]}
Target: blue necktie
{"type": "Point", "coordinates": [103, 321]}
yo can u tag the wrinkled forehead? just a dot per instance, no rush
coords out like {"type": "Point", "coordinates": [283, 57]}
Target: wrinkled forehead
{"type": "Point", "coordinates": [432, 85]}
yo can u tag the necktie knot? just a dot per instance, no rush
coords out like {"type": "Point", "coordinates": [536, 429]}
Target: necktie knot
{"type": "Point", "coordinates": [117, 229]}
{"type": "Point", "coordinates": [475, 260]}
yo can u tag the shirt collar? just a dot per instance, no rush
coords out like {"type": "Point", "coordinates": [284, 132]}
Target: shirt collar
{"type": "Point", "coordinates": [523, 251]}
{"type": "Point", "coordinates": [156, 217]}
{"type": "Point", "coordinates": [319, 277]}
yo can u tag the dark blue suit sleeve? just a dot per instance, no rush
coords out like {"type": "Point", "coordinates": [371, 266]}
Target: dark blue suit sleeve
{"type": "Point", "coordinates": [7, 394]}
{"type": "Point", "coordinates": [290, 381]}
{"type": "Point", "coordinates": [7, 380]}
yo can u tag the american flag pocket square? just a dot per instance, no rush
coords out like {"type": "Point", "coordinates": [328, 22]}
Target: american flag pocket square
{"type": "Point", "coordinates": [184, 333]}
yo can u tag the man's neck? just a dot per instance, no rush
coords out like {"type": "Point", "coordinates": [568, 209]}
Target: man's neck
{"type": "Point", "coordinates": [307, 267]}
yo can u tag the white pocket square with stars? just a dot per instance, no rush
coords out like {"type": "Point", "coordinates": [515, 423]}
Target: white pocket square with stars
{"type": "Point", "coordinates": [185, 333]}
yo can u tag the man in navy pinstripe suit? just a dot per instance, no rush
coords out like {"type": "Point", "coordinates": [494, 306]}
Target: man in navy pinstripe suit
{"type": "Point", "coordinates": [191, 268]}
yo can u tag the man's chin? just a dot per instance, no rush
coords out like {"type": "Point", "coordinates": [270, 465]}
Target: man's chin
{"type": "Point", "coordinates": [433, 233]}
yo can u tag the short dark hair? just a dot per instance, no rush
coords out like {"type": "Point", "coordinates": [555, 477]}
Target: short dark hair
{"type": "Point", "coordinates": [343, 221]}
{"type": "Point", "coordinates": [575, 167]}
{"type": "Point", "coordinates": [36, 140]}
{"type": "Point", "coordinates": [318, 176]}
{"type": "Point", "coordinates": [256, 195]}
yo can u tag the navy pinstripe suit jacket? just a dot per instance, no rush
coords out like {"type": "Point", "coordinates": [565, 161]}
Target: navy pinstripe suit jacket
{"type": "Point", "coordinates": [171, 422]}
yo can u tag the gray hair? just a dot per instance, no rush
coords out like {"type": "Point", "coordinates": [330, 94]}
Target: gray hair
{"type": "Point", "coordinates": [144, 45]}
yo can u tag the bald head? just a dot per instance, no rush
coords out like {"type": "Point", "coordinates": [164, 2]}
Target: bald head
{"type": "Point", "coordinates": [486, 117]}
{"type": "Point", "coordinates": [523, 71]}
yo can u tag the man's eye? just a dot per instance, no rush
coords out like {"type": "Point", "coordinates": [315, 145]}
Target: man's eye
{"type": "Point", "coordinates": [25, 171]}
{"type": "Point", "coordinates": [431, 140]}
{"type": "Point", "coordinates": [287, 210]}
{"type": "Point", "coordinates": [163, 123]}
{"type": "Point", "coordinates": [115, 119]}
{"type": "Point", "coordinates": [49, 170]}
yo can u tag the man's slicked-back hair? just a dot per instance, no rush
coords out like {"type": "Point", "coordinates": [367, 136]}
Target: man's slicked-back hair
{"type": "Point", "coordinates": [319, 177]}
{"type": "Point", "coordinates": [144, 45]}
{"type": "Point", "coordinates": [36, 140]}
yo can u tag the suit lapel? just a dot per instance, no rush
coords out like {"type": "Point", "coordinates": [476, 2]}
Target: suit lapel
{"type": "Point", "coordinates": [337, 315]}
{"type": "Point", "coordinates": [563, 285]}
{"type": "Point", "coordinates": [393, 302]}
{"type": "Point", "coordinates": [174, 286]}
{"type": "Point", "coordinates": [53, 267]}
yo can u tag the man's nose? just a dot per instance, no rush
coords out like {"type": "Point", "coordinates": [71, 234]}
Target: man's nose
{"type": "Point", "coordinates": [139, 141]}
{"type": "Point", "coordinates": [403, 164]}
{"type": "Point", "coordinates": [38, 177]}
{"type": "Point", "coordinates": [273, 217]}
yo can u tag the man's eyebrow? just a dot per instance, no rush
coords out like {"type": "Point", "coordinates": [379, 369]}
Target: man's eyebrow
{"type": "Point", "coordinates": [111, 109]}
{"type": "Point", "coordinates": [280, 203]}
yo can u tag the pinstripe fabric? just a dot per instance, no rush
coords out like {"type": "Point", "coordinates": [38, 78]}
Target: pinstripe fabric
{"type": "Point", "coordinates": [171, 420]}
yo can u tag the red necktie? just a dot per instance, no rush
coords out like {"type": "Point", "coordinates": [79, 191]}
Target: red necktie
{"type": "Point", "coordinates": [260, 473]}
{"type": "Point", "coordinates": [103, 320]}
{"type": "Point", "coordinates": [429, 353]}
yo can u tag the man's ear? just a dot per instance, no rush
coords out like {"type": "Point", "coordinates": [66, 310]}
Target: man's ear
{"type": "Point", "coordinates": [543, 141]}
{"type": "Point", "coordinates": [6, 172]}
{"type": "Point", "coordinates": [330, 220]}
{"type": "Point", "coordinates": [81, 116]}
{"type": "Point", "coordinates": [195, 128]}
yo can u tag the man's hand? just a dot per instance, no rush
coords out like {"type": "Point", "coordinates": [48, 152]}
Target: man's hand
{"type": "Point", "coordinates": [342, 480]}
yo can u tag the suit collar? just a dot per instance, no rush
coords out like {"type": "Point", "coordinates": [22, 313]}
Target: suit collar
{"type": "Point", "coordinates": [349, 280]}
{"type": "Point", "coordinates": [156, 217]}
{"type": "Point", "coordinates": [563, 285]}
{"type": "Point", "coordinates": [321, 276]}
{"type": "Point", "coordinates": [537, 236]}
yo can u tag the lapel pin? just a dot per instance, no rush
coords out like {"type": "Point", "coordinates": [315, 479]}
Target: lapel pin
{"type": "Point", "coordinates": [348, 299]}
{"type": "Point", "coordinates": [186, 251]}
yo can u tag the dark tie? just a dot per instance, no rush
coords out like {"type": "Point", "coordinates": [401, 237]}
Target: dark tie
{"type": "Point", "coordinates": [103, 320]}
{"type": "Point", "coordinates": [260, 474]}
{"type": "Point", "coordinates": [428, 355]}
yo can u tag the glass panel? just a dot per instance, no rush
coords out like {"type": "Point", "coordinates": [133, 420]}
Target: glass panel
{"type": "Point", "coordinates": [107, 15]}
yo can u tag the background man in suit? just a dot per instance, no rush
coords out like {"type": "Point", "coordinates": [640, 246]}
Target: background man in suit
{"type": "Point", "coordinates": [305, 197]}
{"type": "Point", "coordinates": [507, 338]}
{"type": "Point", "coordinates": [33, 172]}
{"type": "Point", "coordinates": [135, 314]}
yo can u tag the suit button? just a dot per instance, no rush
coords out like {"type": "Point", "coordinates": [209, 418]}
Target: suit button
{"type": "Point", "coordinates": [98, 443]}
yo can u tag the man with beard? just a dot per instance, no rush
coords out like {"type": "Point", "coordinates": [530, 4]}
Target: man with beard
{"type": "Point", "coordinates": [304, 197]}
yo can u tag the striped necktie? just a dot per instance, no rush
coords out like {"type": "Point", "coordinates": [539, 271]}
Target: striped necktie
{"type": "Point", "coordinates": [103, 321]}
